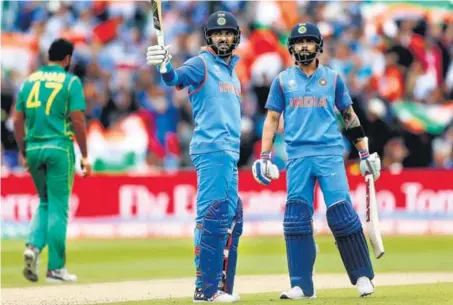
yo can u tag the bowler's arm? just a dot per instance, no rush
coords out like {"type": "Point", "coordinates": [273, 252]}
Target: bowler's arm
{"type": "Point", "coordinates": [19, 130]}
{"type": "Point", "coordinates": [77, 108]}
{"type": "Point", "coordinates": [19, 123]}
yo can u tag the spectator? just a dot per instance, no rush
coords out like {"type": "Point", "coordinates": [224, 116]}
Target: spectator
{"type": "Point", "coordinates": [384, 59]}
{"type": "Point", "coordinates": [442, 154]}
{"type": "Point", "coordinates": [394, 154]}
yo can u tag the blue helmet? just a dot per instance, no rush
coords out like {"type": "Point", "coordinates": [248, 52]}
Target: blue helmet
{"type": "Point", "coordinates": [219, 21]}
{"type": "Point", "coordinates": [307, 31]}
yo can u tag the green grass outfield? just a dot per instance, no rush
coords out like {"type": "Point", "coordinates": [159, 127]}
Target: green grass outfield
{"type": "Point", "coordinates": [429, 294]}
{"type": "Point", "coordinates": [120, 260]}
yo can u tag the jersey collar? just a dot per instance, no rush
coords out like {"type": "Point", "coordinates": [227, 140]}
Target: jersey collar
{"type": "Point", "coordinates": [233, 62]}
{"type": "Point", "coordinates": [319, 66]}
{"type": "Point", "coordinates": [53, 67]}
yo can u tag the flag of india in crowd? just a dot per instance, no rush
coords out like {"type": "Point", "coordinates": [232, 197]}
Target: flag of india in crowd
{"type": "Point", "coordinates": [420, 118]}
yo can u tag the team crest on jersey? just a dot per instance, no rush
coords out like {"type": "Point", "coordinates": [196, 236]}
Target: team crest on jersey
{"type": "Point", "coordinates": [292, 84]}
{"type": "Point", "coordinates": [221, 21]}
{"type": "Point", "coordinates": [302, 29]}
{"type": "Point", "coordinates": [322, 82]}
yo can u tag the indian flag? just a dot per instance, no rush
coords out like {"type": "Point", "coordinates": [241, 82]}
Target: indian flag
{"type": "Point", "coordinates": [419, 118]}
{"type": "Point", "coordinates": [382, 10]}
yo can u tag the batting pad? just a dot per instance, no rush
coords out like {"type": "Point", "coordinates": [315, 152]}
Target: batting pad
{"type": "Point", "coordinates": [213, 238]}
{"type": "Point", "coordinates": [300, 245]}
{"type": "Point", "coordinates": [347, 230]}
{"type": "Point", "coordinates": [231, 250]}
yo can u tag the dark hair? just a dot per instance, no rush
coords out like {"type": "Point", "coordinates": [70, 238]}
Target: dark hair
{"type": "Point", "coordinates": [59, 49]}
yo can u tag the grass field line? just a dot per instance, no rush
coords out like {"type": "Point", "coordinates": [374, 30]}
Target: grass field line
{"type": "Point", "coordinates": [71, 294]}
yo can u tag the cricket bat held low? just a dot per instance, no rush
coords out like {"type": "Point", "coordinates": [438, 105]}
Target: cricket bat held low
{"type": "Point", "coordinates": [372, 218]}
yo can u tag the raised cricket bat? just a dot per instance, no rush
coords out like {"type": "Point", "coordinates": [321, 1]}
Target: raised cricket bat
{"type": "Point", "coordinates": [156, 6]}
{"type": "Point", "coordinates": [372, 218]}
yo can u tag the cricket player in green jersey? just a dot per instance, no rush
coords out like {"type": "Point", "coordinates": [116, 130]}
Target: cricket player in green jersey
{"type": "Point", "coordinates": [50, 111]}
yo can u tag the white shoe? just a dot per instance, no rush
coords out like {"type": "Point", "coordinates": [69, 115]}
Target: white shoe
{"type": "Point", "coordinates": [31, 263]}
{"type": "Point", "coordinates": [218, 297]}
{"type": "Point", "coordinates": [295, 293]}
{"type": "Point", "coordinates": [60, 276]}
{"type": "Point", "coordinates": [238, 298]}
{"type": "Point", "coordinates": [365, 286]}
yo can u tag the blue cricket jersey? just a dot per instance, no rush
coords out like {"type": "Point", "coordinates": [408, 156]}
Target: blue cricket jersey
{"type": "Point", "coordinates": [215, 95]}
{"type": "Point", "coordinates": [308, 104]}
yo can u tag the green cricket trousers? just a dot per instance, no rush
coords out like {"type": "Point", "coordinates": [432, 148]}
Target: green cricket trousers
{"type": "Point", "coordinates": [51, 165]}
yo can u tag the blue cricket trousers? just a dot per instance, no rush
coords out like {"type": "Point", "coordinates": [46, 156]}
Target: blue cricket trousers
{"type": "Point", "coordinates": [217, 179]}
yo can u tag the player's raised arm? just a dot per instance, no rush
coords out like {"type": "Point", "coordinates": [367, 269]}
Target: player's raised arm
{"type": "Point", "coordinates": [214, 91]}
{"type": "Point", "coordinates": [77, 110]}
{"type": "Point", "coordinates": [263, 169]}
{"type": "Point", "coordinates": [368, 163]}
{"type": "Point", "coordinates": [192, 72]}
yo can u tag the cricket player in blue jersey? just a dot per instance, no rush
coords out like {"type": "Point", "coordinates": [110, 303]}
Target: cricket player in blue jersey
{"type": "Point", "coordinates": [307, 94]}
{"type": "Point", "coordinates": [214, 92]}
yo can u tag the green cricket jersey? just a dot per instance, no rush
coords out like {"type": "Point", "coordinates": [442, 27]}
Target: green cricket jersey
{"type": "Point", "coordinates": [47, 98]}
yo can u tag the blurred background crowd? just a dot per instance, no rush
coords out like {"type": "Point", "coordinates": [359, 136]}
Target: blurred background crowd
{"type": "Point", "coordinates": [394, 57]}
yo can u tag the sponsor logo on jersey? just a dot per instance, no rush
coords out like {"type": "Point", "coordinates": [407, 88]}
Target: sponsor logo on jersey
{"type": "Point", "coordinates": [227, 87]}
{"type": "Point", "coordinates": [308, 101]}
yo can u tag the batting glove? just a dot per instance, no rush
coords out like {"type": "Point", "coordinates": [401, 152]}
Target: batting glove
{"type": "Point", "coordinates": [263, 169]}
{"type": "Point", "coordinates": [158, 55]}
{"type": "Point", "coordinates": [370, 164]}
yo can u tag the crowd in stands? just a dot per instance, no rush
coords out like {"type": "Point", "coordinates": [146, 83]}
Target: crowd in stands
{"type": "Point", "coordinates": [397, 67]}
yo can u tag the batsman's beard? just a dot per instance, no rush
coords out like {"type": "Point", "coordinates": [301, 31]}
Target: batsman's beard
{"type": "Point", "coordinates": [223, 49]}
{"type": "Point", "coordinates": [305, 58]}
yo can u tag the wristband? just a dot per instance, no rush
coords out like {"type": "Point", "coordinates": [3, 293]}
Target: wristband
{"type": "Point", "coordinates": [355, 134]}
{"type": "Point", "coordinates": [364, 154]}
{"type": "Point", "coordinates": [265, 155]}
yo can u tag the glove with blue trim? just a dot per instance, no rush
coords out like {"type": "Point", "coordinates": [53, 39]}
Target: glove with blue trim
{"type": "Point", "coordinates": [157, 55]}
{"type": "Point", "coordinates": [263, 169]}
{"type": "Point", "coordinates": [370, 164]}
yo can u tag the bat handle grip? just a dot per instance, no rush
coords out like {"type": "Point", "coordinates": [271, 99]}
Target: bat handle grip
{"type": "Point", "coordinates": [163, 68]}
{"type": "Point", "coordinates": [160, 41]}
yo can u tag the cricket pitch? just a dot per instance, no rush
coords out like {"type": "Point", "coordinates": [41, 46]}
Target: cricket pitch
{"type": "Point", "coordinates": [71, 294]}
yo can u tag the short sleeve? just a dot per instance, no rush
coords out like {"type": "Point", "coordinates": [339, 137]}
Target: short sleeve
{"type": "Point", "coordinates": [342, 97]}
{"type": "Point", "coordinates": [76, 96]}
{"type": "Point", "coordinates": [276, 100]}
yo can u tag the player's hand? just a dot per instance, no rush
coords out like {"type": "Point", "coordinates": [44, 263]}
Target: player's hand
{"type": "Point", "coordinates": [371, 165]}
{"type": "Point", "coordinates": [23, 162]}
{"type": "Point", "coordinates": [158, 55]}
{"type": "Point", "coordinates": [264, 171]}
{"type": "Point", "coordinates": [86, 167]}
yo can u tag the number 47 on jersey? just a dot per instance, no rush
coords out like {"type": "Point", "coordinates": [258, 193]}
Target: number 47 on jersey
{"type": "Point", "coordinates": [33, 98]}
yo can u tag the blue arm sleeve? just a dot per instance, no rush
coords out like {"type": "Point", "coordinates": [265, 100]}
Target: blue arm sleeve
{"type": "Point", "coordinates": [342, 97]}
{"type": "Point", "coordinates": [192, 72]}
{"type": "Point", "coordinates": [276, 100]}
